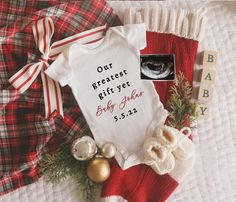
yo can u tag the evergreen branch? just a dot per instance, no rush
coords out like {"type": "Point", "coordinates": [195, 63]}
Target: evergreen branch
{"type": "Point", "coordinates": [85, 186]}
{"type": "Point", "coordinates": [61, 164]}
{"type": "Point", "coordinates": [182, 112]}
{"type": "Point", "coordinates": [55, 166]}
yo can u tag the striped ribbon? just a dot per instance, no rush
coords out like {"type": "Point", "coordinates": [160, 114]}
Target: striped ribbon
{"type": "Point", "coordinates": [43, 31]}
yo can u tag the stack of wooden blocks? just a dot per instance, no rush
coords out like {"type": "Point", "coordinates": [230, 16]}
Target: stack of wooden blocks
{"type": "Point", "coordinates": [207, 79]}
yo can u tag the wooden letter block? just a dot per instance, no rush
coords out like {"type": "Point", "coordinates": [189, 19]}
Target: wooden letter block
{"type": "Point", "coordinates": [203, 110]}
{"type": "Point", "coordinates": [209, 58]}
{"type": "Point", "coordinates": [208, 75]}
{"type": "Point", "coordinates": [205, 93]}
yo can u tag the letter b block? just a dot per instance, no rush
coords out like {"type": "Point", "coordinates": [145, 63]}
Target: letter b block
{"type": "Point", "coordinates": [209, 58]}
{"type": "Point", "coordinates": [205, 93]}
{"type": "Point", "coordinates": [208, 75]}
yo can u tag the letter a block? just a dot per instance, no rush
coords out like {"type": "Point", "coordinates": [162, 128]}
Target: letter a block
{"type": "Point", "coordinates": [205, 93]}
{"type": "Point", "coordinates": [203, 110]}
{"type": "Point", "coordinates": [209, 58]}
{"type": "Point", "coordinates": [208, 76]}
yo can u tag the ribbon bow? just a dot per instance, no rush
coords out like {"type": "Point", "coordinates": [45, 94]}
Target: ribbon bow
{"type": "Point", "coordinates": [43, 31]}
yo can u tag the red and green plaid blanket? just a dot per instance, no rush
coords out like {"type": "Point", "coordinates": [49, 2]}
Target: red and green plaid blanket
{"type": "Point", "coordinates": [25, 133]}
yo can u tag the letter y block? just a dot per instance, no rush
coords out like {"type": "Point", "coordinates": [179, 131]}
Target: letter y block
{"type": "Point", "coordinates": [203, 110]}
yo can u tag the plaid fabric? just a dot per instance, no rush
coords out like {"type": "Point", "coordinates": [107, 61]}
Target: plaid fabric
{"type": "Point", "coordinates": [24, 132]}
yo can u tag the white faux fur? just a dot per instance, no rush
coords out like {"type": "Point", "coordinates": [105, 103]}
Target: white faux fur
{"type": "Point", "coordinates": [113, 199]}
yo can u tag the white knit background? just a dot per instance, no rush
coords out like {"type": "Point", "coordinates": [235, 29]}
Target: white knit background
{"type": "Point", "coordinates": [213, 178]}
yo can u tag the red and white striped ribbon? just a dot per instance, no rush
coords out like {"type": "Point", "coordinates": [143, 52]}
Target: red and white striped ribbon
{"type": "Point", "coordinates": [43, 31]}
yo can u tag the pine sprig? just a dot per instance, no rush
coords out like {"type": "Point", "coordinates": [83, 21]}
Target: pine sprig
{"type": "Point", "coordinates": [61, 164]}
{"type": "Point", "coordinates": [182, 112]}
{"type": "Point", "coordinates": [85, 186]}
{"type": "Point", "coordinates": [56, 166]}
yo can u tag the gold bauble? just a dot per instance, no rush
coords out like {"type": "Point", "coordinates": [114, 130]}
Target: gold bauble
{"type": "Point", "coordinates": [98, 169]}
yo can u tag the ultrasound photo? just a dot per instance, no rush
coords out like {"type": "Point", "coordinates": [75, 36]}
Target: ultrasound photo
{"type": "Point", "coordinates": [157, 67]}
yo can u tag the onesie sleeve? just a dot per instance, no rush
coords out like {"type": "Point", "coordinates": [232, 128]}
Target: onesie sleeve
{"type": "Point", "coordinates": [60, 69]}
{"type": "Point", "coordinates": [135, 34]}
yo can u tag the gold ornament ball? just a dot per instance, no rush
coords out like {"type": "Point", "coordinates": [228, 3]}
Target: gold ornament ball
{"type": "Point", "coordinates": [108, 150]}
{"type": "Point", "coordinates": [98, 169]}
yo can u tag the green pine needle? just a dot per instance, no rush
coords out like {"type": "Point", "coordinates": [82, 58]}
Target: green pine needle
{"type": "Point", "coordinates": [182, 112]}
{"type": "Point", "coordinates": [61, 164]}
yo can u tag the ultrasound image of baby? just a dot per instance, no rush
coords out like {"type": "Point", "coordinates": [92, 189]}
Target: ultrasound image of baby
{"type": "Point", "coordinates": [157, 67]}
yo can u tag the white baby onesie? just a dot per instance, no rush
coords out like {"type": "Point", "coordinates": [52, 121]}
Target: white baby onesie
{"type": "Point", "coordinates": [105, 79]}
